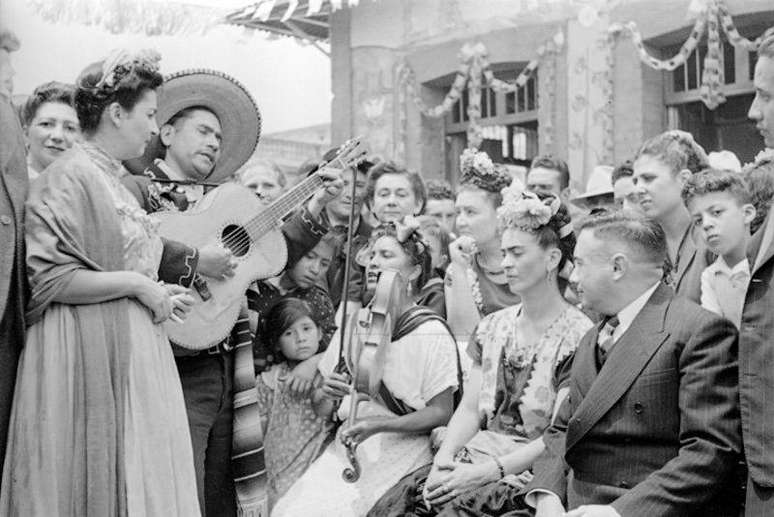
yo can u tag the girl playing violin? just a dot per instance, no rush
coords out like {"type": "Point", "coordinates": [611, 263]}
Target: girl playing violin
{"type": "Point", "coordinates": [419, 375]}
{"type": "Point", "coordinates": [293, 434]}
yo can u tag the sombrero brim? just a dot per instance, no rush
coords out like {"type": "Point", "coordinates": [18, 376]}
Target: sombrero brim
{"type": "Point", "coordinates": [227, 98]}
{"type": "Point", "coordinates": [592, 199]}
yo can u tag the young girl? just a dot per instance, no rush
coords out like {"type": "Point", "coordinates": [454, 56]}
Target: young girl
{"type": "Point", "coordinates": [293, 433]}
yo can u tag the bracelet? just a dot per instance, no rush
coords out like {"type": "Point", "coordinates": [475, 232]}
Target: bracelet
{"type": "Point", "coordinates": [500, 466]}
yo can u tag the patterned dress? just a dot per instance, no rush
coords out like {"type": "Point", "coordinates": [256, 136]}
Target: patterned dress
{"type": "Point", "coordinates": [99, 425]}
{"type": "Point", "coordinates": [516, 400]}
{"type": "Point", "coordinates": [293, 433]}
{"type": "Point", "coordinates": [417, 367]}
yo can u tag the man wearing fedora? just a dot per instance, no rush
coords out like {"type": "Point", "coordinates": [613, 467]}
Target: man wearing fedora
{"type": "Point", "coordinates": [209, 127]}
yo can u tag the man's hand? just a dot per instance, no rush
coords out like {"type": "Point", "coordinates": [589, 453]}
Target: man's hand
{"type": "Point", "coordinates": [216, 262]}
{"type": "Point", "coordinates": [332, 187]}
{"type": "Point", "coordinates": [593, 510]}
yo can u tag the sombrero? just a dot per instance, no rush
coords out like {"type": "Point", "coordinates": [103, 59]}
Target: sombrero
{"type": "Point", "coordinates": [227, 98]}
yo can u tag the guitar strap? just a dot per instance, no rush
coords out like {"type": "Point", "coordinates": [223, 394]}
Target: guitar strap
{"type": "Point", "coordinates": [247, 458]}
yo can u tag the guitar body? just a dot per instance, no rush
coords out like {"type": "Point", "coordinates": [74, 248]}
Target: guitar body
{"type": "Point", "coordinates": [225, 215]}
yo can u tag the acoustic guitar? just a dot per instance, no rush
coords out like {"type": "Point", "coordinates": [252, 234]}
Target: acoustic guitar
{"type": "Point", "coordinates": [233, 216]}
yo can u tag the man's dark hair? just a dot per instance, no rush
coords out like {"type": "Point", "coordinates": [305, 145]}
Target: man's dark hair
{"type": "Point", "coordinates": [644, 237]}
{"type": "Point", "coordinates": [547, 161]}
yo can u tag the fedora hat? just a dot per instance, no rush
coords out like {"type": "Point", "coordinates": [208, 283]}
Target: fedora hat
{"type": "Point", "coordinates": [227, 98]}
{"type": "Point", "coordinates": [599, 188]}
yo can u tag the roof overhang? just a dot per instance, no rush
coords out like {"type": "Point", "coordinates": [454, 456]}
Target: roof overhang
{"type": "Point", "coordinates": [295, 18]}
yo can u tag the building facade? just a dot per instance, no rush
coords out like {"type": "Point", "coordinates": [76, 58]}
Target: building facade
{"type": "Point", "coordinates": [591, 100]}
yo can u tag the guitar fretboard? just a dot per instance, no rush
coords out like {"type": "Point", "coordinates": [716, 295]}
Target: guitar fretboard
{"type": "Point", "coordinates": [267, 220]}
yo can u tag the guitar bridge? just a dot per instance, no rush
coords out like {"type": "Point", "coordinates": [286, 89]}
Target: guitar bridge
{"type": "Point", "coordinates": [200, 284]}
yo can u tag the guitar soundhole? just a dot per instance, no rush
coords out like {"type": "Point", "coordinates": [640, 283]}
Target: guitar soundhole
{"type": "Point", "coordinates": [236, 239]}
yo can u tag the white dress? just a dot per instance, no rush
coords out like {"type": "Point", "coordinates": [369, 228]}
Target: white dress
{"type": "Point", "coordinates": [417, 367]}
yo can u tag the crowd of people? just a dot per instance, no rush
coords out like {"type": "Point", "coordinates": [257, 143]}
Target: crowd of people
{"type": "Point", "coordinates": [494, 349]}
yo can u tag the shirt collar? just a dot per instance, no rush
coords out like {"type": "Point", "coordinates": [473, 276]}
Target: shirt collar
{"type": "Point", "coordinates": [720, 266]}
{"type": "Point", "coordinates": [627, 314]}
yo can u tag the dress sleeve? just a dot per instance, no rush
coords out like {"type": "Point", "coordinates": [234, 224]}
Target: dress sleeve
{"type": "Point", "coordinates": [302, 233]}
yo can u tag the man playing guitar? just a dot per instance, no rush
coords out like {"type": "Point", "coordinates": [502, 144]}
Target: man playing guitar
{"type": "Point", "coordinates": [209, 127]}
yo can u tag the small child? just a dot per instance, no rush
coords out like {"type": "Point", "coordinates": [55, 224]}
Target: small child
{"type": "Point", "coordinates": [293, 433]}
{"type": "Point", "coordinates": [721, 208]}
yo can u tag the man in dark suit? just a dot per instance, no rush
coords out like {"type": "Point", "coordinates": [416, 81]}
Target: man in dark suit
{"type": "Point", "coordinates": [13, 191]}
{"type": "Point", "coordinates": [756, 350]}
{"type": "Point", "coordinates": [651, 423]}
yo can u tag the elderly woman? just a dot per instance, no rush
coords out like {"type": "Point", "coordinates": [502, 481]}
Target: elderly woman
{"type": "Point", "coordinates": [394, 192]}
{"type": "Point", "coordinates": [50, 125]}
{"type": "Point", "coordinates": [99, 425]}
{"type": "Point", "coordinates": [521, 358]}
{"type": "Point", "coordinates": [419, 374]}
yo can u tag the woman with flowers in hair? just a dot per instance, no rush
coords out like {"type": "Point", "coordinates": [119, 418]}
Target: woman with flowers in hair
{"type": "Point", "coordinates": [419, 373]}
{"type": "Point", "coordinates": [521, 360]}
{"type": "Point", "coordinates": [475, 280]}
{"type": "Point", "coordinates": [99, 424]}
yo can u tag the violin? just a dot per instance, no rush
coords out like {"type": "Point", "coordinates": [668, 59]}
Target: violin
{"type": "Point", "coordinates": [372, 331]}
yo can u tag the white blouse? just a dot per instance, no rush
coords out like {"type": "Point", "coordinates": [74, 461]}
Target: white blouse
{"type": "Point", "coordinates": [417, 367]}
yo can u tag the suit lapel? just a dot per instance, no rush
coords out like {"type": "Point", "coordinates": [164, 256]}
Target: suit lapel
{"type": "Point", "coordinates": [584, 364]}
{"type": "Point", "coordinates": [761, 247]}
{"type": "Point", "coordinates": [687, 255]}
{"type": "Point", "coordinates": [626, 360]}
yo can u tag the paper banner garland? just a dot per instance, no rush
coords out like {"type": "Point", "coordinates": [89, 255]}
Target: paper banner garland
{"type": "Point", "coordinates": [473, 73]}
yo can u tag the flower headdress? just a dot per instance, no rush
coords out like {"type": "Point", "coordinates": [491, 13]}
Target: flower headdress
{"type": "Point", "coordinates": [477, 169]}
{"type": "Point", "coordinates": [525, 210]}
{"type": "Point", "coordinates": [121, 62]}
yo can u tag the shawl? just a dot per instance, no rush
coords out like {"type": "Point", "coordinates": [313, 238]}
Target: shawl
{"type": "Point", "coordinates": [73, 224]}
{"type": "Point", "coordinates": [497, 335]}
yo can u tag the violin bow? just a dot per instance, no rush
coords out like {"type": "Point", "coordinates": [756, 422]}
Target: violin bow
{"type": "Point", "coordinates": [342, 365]}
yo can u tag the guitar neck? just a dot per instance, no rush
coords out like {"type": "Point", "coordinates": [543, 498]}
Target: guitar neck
{"type": "Point", "coordinates": [267, 220]}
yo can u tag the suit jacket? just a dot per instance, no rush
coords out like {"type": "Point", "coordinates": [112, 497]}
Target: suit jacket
{"type": "Point", "coordinates": [756, 361]}
{"type": "Point", "coordinates": [656, 431]}
{"type": "Point", "coordinates": [693, 260]}
{"type": "Point", "coordinates": [13, 192]}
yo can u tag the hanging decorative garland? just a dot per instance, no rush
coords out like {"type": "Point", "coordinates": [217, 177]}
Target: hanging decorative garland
{"type": "Point", "coordinates": [714, 16]}
{"type": "Point", "coordinates": [473, 65]}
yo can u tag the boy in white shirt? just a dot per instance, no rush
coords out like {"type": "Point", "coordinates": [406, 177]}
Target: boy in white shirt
{"type": "Point", "coordinates": [721, 209]}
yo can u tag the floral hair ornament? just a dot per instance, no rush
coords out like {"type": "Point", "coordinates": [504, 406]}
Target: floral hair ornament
{"type": "Point", "coordinates": [477, 169]}
{"type": "Point", "coordinates": [526, 211]}
{"type": "Point", "coordinates": [120, 62]}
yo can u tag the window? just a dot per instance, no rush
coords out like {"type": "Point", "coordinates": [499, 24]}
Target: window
{"type": "Point", "coordinates": [726, 127]}
{"type": "Point", "coordinates": [508, 120]}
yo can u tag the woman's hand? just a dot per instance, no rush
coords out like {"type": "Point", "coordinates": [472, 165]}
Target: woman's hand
{"type": "Point", "coordinates": [154, 296]}
{"type": "Point", "coordinates": [182, 301]}
{"type": "Point", "coordinates": [461, 251]}
{"type": "Point", "coordinates": [454, 478]}
{"type": "Point", "coordinates": [336, 386]}
{"type": "Point", "coordinates": [361, 430]}
{"type": "Point", "coordinates": [216, 262]}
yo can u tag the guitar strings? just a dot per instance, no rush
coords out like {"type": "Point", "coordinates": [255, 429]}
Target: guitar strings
{"type": "Point", "coordinates": [242, 239]}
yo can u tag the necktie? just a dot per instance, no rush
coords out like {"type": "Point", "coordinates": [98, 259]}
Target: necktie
{"type": "Point", "coordinates": [605, 340]}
